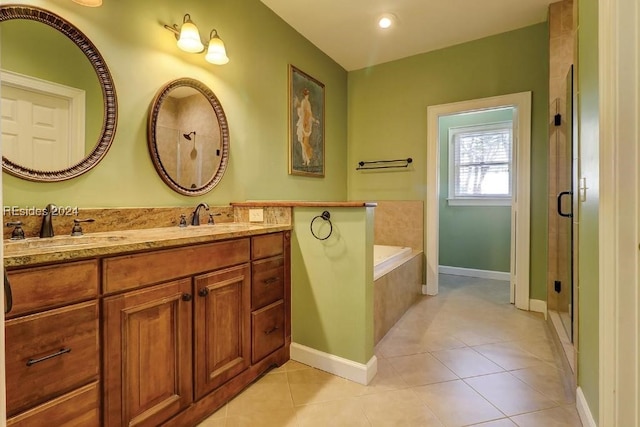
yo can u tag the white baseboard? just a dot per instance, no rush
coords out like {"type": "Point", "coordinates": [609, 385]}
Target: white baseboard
{"type": "Point", "coordinates": [538, 306]}
{"type": "Point", "coordinates": [336, 365]}
{"type": "Point", "coordinates": [425, 290]}
{"type": "Point", "coordinates": [472, 272]}
{"type": "Point", "coordinates": [583, 410]}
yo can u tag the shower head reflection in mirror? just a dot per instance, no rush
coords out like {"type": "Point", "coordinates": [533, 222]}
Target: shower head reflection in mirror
{"type": "Point", "coordinates": [183, 110]}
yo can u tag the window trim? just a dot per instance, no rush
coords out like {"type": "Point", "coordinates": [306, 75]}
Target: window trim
{"type": "Point", "coordinates": [490, 199]}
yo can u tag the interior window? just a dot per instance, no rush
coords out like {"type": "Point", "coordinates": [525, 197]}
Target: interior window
{"type": "Point", "coordinates": [480, 164]}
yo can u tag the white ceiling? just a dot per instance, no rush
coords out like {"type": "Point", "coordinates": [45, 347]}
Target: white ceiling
{"type": "Point", "coordinates": [347, 31]}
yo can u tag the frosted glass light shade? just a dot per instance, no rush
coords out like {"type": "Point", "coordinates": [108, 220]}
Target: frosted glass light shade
{"type": "Point", "coordinates": [216, 54]}
{"type": "Point", "coordinates": [90, 3]}
{"type": "Point", "coordinates": [189, 39]}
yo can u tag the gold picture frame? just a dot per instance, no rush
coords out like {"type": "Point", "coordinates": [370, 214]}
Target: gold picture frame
{"type": "Point", "coordinates": [306, 124]}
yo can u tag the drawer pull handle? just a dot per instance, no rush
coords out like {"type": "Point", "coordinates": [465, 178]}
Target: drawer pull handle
{"type": "Point", "coordinates": [51, 356]}
{"type": "Point", "coordinates": [270, 331]}
{"type": "Point", "coordinates": [270, 280]}
{"type": "Point", "coordinates": [186, 297]}
{"type": "Point", "coordinates": [203, 292]}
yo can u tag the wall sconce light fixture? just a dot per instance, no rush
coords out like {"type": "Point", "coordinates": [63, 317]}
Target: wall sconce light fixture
{"type": "Point", "coordinates": [90, 3]}
{"type": "Point", "coordinates": [189, 40]}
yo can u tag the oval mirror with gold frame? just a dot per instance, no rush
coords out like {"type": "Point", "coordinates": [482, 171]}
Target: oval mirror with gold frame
{"type": "Point", "coordinates": [188, 137]}
{"type": "Point", "coordinates": [88, 127]}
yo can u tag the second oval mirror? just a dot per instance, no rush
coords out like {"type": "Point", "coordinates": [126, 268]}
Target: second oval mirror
{"type": "Point", "coordinates": [188, 137]}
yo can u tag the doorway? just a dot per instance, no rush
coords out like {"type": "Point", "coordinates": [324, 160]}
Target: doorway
{"type": "Point", "coordinates": [520, 202]}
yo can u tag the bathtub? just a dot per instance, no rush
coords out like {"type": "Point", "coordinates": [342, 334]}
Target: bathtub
{"type": "Point", "coordinates": [386, 258]}
{"type": "Point", "coordinates": [397, 284]}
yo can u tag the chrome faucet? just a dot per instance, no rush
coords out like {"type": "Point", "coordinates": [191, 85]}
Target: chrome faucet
{"type": "Point", "coordinates": [195, 218]}
{"type": "Point", "coordinates": [46, 230]}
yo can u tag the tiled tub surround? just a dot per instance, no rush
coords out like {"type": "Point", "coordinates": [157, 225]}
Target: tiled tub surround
{"type": "Point", "coordinates": [394, 292]}
{"type": "Point", "coordinates": [397, 223]}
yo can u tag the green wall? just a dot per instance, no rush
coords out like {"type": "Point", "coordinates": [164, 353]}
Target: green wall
{"type": "Point", "coordinates": [332, 302]}
{"type": "Point", "coordinates": [477, 237]}
{"type": "Point", "coordinates": [588, 255]}
{"type": "Point", "coordinates": [388, 117]}
{"type": "Point", "coordinates": [252, 88]}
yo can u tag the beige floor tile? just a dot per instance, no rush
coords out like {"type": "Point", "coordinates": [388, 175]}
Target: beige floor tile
{"type": "Point", "coordinates": [270, 393]}
{"type": "Point", "coordinates": [346, 413]}
{"type": "Point", "coordinates": [401, 343]}
{"type": "Point", "coordinates": [457, 404]}
{"type": "Point", "coordinates": [397, 408]}
{"type": "Point", "coordinates": [434, 341]}
{"type": "Point", "coordinates": [386, 379]}
{"type": "Point", "coordinates": [473, 337]}
{"type": "Point", "coordinates": [272, 418]}
{"type": "Point", "coordinates": [469, 330]}
{"type": "Point", "coordinates": [555, 417]}
{"type": "Point", "coordinates": [314, 386]}
{"type": "Point", "coordinates": [508, 355]}
{"type": "Point", "coordinates": [509, 394]}
{"type": "Point", "coordinates": [421, 369]}
{"type": "Point", "coordinates": [290, 365]}
{"type": "Point", "coordinates": [550, 381]}
{"type": "Point", "coordinates": [504, 422]}
{"type": "Point", "coordinates": [213, 422]}
{"type": "Point", "coordinates": [217, 419]}
{"type": "Point", "coordinates": [466, 362]}
{"type": "Point", "coordinates": [542, 348]}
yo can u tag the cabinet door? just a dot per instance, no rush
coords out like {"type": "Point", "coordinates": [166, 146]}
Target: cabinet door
{"type": "Point", "coordinates": [148, 346]}
{"type": "Point", "coordinates": [222, 326]}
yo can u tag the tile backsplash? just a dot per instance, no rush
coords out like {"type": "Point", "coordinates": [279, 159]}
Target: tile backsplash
{"type": "Point", "coordinates": [109, 219]}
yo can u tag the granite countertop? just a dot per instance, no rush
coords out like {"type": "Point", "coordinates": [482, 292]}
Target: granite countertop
{"type": "Point", "coordinates": [33, 251]}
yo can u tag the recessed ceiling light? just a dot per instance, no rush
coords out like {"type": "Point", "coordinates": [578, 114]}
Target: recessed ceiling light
{"type": "Point", "coordinates": [386, 20]}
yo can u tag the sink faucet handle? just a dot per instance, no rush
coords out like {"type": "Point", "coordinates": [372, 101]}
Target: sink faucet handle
{"type": "Point", "coordinates": [18, 232]}
{"type": "Point", "coordinates": [211, 221]}
{"type": "Point", "coordinates": [77, 230]}
{"type": "Point", "coordinates": [183, 221]}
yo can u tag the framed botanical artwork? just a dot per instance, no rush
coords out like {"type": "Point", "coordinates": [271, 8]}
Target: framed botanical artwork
{"type": "Point", "coordinates": [306, 124]}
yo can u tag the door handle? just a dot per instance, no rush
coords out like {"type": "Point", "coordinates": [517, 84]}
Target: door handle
{"type": "Point", "coordinates": [564, 193]}
{"type": "Point", "coordinates": [8, 296]}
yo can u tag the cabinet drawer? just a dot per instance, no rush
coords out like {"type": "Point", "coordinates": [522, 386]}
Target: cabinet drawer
{"type": "Point", "coordinates": [267, 330]}
{"type": "Point", "coordinates": [267, 281]}
{"type": "Point", "coordinates": [266, 245]}
{"type": "Point", "coordinates": [41, 288]}
{"type": "Point", "coordinates": [80, 408]}
{"type": "Point", "coordinates": [132, 271]}
{"type": "Point", "coordinates": [50, 353]}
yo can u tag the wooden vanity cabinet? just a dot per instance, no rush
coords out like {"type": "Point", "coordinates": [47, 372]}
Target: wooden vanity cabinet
{"type": "Point", "coordinates": [52, 346]}
{"type": "Point", "coordinates": [147, 351]}
{"type": "Point", "coordinates": [222, 327]}
{"type": "Point", "coordinates": [177, 332]}
{"type": "Point", "coordinates": [267, 295]}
